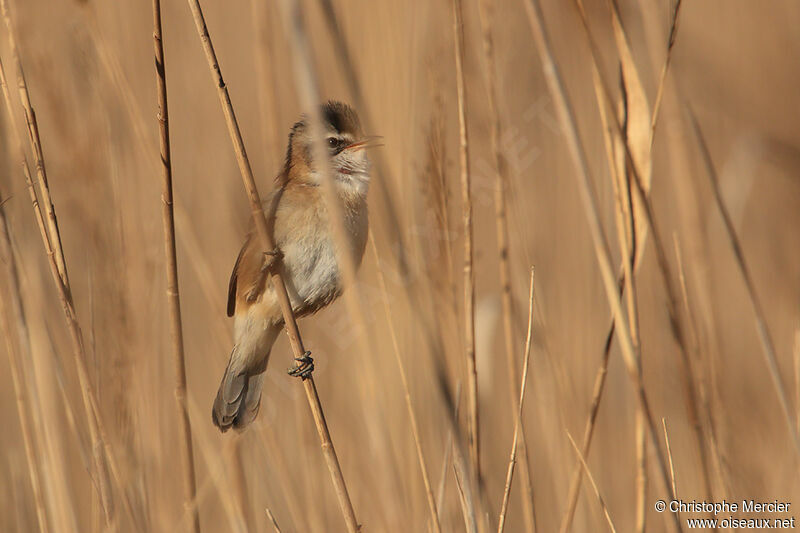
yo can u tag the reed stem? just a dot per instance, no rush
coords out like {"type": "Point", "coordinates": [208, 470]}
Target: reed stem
{"type": "Point", "coordinates": [262, 229]}
{"type": "Point", "coordinates": [469, 278]}
{"type": "Point", "coordinates": [171, 265]}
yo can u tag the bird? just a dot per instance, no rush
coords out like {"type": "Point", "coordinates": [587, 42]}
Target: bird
{"type": "Point", "coordinates": [305, 249]}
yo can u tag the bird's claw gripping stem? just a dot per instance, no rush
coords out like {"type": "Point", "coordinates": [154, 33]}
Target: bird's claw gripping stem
{"type": "Point", "coordinates": [271, 259]}
{"type": "Point", "coordinates": [304, 368]}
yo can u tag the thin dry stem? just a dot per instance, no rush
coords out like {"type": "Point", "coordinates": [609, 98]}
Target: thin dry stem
{"type": "Point", "coordinates": [307, 85]}
{"type": "Point", "coordinates": [568, 122]}
{"type": "Point", "coordinates": [308, 89]}
{"type": "Point", "coordinates": [264, 59]}
{"type": "Point", "coordinates": [669, 455]}
{"type": "Point", "coordinates": [639, 187]}
{"type": "Point", "coordinates": [767, 346]}
{"type": "Point", "coordinates": [267, 243]}
{"type": "Point", "coordinates": [471, 504]}
{"type": "Point", "coordinates": [218, 473]}
{"type": "Point", "coordinates": [53, 250]}
{"type": "Point", "coordinates": [392, 227]}
{"type": "Point", "coordinates": [518, 420]}
{"type": "Point", "coordinates": [36, 147]}
{"type": "Point", "coordinates": [708, 420]}
{"type": "Point", "coordinates": [469, 278]}
{"type": "Point", "coordinates": [12, 304]}
{"type": "Point", "coordinates": [600, 499]}
{"type": "Point", "coordinates": [673, 31]}
{"type": "Point", "coordinates": [273, 521]}
{"type": "Point", "coordinates": [501, 226]}
{"type": "Point", "coordinates": [434, 515]}
{"type": "Point", "coordinates": [626, 239]}
{"type": "Point", "coordinates": [171, 265]}
{"type": "Point", "coordinates": [588, 431]}
{"type": "Point", "coordinates": [465, 494]}
{"type": "Point", "coordinates": [448, 451]}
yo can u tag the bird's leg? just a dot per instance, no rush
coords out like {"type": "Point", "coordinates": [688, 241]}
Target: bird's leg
{"type": "Point", "coordinates": [304, 368]}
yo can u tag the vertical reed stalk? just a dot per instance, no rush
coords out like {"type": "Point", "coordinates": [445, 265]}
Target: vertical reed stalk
{"type": "Point", "coordinates": [627, 238]}
{"type": "Point", "coordinates": [673, 32]}
{"type": "Point", "coordinates": [669, 456]}
{"type": "Point", "coordinates": [273, 521]}
{"type": "Point", "coordinates": [36, 147]}
{"type": "Point", "coordinates": [633, 318]}
{"type": "Point", "coordinates": [600, 499]}
{"type": "Point", "coordinates": [387, 206]}
{"type": "Point", "coordinates": [54, 252]}
{"type": "Point", "coordinates": [588, 431]}
{"type": "Point", "coordinates": [262, 229]}
{"type": "Point", "coordinates": [307, 86]}
{"type": "Point", "coordinates": [171, 265]}
{"type": "Point", "coordinates": [501, 225]}
{"type": "Point", "coordinates": [308, 89]}
{"type": "Point", "coordinates": [407, 393]}
{"type": "Point", "coordinates": [637, 185]}
{"type": "Point", "coordinates": [767, 345]}
{"type": "Point", "coordinates": [567, 118]}
{"type": "Point", "coordinates": [11, 304]}
{"type": "Point", "coordinates": [448, 452]}
{"type": "Point", "coordinates": [464, 485]}
{"type": "Point", "coordinates": [518, 419]}
{"type": "Point", "coordinates": [469, 278]}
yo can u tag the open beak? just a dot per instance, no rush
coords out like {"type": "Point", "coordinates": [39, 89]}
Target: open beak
{"type": "Point", "coordinates": [369, 141]}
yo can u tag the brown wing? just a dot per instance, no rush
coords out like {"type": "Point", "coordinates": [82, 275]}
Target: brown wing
{"type": "Point", "coordinates": [248, 279]}
{"type": "Point", "coordinates": [234, 279]}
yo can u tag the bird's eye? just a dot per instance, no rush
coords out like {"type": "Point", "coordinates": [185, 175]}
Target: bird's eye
{"type": "Point", "coordinates": [333, 142]}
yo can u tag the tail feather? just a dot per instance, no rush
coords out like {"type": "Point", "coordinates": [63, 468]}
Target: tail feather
{"type": "Point", "coordinates": [229, 403]}
{"type": "Point", "coordinates": [239, 395]}
{"type": "Point", "coordinates": [248, 409]}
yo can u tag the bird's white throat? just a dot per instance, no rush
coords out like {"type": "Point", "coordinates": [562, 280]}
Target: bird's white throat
{"type": "Point", "coordinates": [353, 182]}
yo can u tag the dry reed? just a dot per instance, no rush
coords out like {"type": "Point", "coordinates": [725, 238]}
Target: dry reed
{"type": "Point", "coordinates": [637, 158]}
{"type": "Point", "coordinates": [469, 278]}
{"type": "Point", "coordinates": [767, 345]}
{"type": "Point", "coordinates": [274, 522]}
{"type": "Point", "coordinates": [17, 352]}
{"type": "Point", "coordinates": [54, 251]}
{"type": "Point", "coordinates": [596, 490]}
{"type": "Point", "coordinates": [260, 221]}
{"type": "Point", "coordinates": [434, 514]}
{"type": "Point", "coordinates": [518, 418]}
{"type": "Point", "coordinates": [90, 78]}
{"type": "Point", "coordinates": [568, 121]}
{"type": "Point", "coordinates": [171, 265]}
{"type": "Point", "coordinates": [589, 427]}
{"type": "Point", "coordinates": [501, 224]}
{"type": "Point", "coordinates": [669, 456]}
{"type": "Point", "coordinates": [388, 225]}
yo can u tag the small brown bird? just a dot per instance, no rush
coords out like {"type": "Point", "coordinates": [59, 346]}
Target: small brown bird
{"type": "Point", "coordinates": [305, 250]}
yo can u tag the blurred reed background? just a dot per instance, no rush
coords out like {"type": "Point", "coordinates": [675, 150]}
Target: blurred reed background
{"type": "Point", "coordinates": [89, 68]}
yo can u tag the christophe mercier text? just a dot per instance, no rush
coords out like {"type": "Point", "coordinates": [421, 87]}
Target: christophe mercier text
{"type": "Point", "coordinates": [746, 506]}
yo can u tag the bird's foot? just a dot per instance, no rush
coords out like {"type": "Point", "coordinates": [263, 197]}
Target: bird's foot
{"type": "Point", "coordinates": [271, 259]}
{"type": "Point", "coordinates": [304, 368]}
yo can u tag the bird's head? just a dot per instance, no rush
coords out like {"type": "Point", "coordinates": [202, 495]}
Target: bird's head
{"type": "Point", "coordinates": [345, 145]}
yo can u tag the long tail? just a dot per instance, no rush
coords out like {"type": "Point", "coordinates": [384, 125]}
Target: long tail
{"type": "Point", "coordinates": [238, 400]}
{"type": "Point", "coordinates": [239, 395]}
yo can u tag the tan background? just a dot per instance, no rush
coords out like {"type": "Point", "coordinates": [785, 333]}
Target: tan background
{"type": "Point", "coordinates": [90, 70]}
